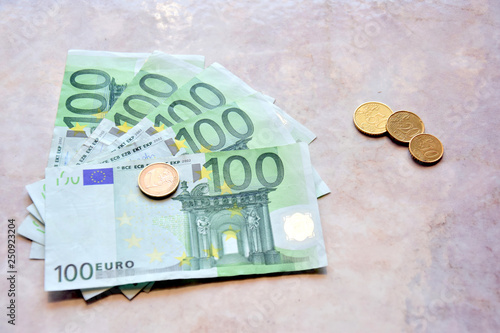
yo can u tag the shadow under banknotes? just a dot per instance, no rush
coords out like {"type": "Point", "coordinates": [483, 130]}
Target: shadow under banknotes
{"type": "Point", "coordinates": [176, 284]}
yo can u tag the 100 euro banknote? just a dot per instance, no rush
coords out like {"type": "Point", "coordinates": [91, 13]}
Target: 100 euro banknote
{"type": "Point", "coordinates": [213, 87]}
{"type": "Point", "coordinates": [249, 123]}
{"type": "Point", "coordinates": [235, 212]}
{"type": "Point", "coordinates": [93, 81]}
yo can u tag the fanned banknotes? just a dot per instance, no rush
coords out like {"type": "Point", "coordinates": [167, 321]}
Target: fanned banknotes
{"type": "Point", "coordinates": [213, 87]}
{"type": "Point", "coordinates": [235, 212]}
{"type": "Point", "coordinates": [93, 81]}
{"type": "Point", "coordinates": [251, 122]}
{"type": "Point", "coordinates": [255, 188]}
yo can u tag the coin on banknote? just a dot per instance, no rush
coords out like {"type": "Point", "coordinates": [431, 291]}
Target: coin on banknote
{"type": "Point", "coordinates": [404, 125]}
{"type": "Point", "coordinates": [426, 148]}
{"type": "Point", "coordinates": [158, 180]}
{"type": "Point", "coordinates": [371, 118]}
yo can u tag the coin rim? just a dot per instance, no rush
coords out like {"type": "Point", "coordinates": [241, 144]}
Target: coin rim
{"type": "Point", "coordinates": [398, 140]}
{"type": "Point", "coordinates": [426, 162]}
{"type": "Point", "coordinates": [158, 195]}
{"type": "Point", "coordinates": [365, 132]}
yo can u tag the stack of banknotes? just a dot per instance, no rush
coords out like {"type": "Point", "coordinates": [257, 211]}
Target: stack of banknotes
{"type": "Point", "coordinates": [247, 196]}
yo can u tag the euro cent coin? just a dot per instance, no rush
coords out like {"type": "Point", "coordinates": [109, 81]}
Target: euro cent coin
{"type": "Point", "coordinates": [402, 126]}
{"type": "Point", "coordinates": [158, 180]}
{"type": "Point", "coordinates": [426, 148]}
{"type": "Point", "coordinates": [371, 118]}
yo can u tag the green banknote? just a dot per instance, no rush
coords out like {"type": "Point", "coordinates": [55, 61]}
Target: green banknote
{"type": "Point", "coordinates": [235, 212]}
{"type": "Point", "coordinates": [187, 104]}
{"type": "Point", "coordinates": [249, 123]}
{"type": "Point", "coordinates": [159, 77]}
{"type": "Point", "coordinates": [92, 82]}
{"type": "Point", "coordinates": [213, 87]}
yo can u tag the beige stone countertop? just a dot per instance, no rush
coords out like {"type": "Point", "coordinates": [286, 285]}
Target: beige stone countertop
{"type": "Point", "coordinates": [410, 248]}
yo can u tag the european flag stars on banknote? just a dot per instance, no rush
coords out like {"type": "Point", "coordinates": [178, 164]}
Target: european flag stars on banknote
{"type": "Point", "coordinates": [98, 176]}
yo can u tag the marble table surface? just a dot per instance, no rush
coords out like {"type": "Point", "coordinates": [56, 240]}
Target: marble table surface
{"type": "Point", "coordinates": [410, 248]}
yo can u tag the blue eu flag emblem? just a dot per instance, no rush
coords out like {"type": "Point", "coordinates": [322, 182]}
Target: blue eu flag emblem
{"type": "Point", "coordinates": [98, 176]}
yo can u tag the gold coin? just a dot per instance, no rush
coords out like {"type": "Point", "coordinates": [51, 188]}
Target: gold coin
{"type": "Point", "coordinates": [404, 125]}
{"type": "Point", "coordinates": [158, 180]}
{"type": "Point", "coordinates": [426, 148]}
{"type": "Point", "coordinates": [371, 118]}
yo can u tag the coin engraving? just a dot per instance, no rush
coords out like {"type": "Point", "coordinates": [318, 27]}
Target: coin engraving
{"type": "Point", "coordinates": [426, 148]}
{"type": "Point", "coordinates": [402, 126]}
{"type": "Point", "coordinates": [158, 180]}
{"type": "Point", "coordinates": [370, 118]}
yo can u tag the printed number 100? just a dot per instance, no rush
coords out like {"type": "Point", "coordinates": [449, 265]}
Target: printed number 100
{"type": "Point", "coordinates": [71, 272]}
{"type": "Point", "coordinates": [247, 179]}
